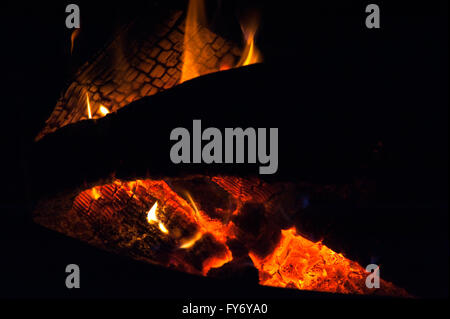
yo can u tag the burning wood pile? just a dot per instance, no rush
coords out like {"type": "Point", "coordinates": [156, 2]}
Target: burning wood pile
{"type": "Point", "coordinates": [202, 224]}
{"type": "Point", "coordinates": [229, 222]}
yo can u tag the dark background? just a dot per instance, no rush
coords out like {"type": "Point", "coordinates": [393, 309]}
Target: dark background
{"type": "Point", "coordinates": [405, 66]}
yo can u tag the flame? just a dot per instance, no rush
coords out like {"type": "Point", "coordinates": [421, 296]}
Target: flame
{"type": "Point", "coordinates": [152, 218]}
{"type": "Point", "coordinates": [163, 228]}
{"type": "Point", "coordinates": [251, 54]}
{"type": "Point", "coordinates": [95, 193]}
{"type": "Point", "coordinates": [194, 41]}
{"type": "Point", "coordinates": [151, 215]}
{"type": "Point", "coordinates": [88, 104]}
{"type": "Point", "coordinates": [191, 201]}
{"type": "Point", "coordinates": [73, 36]}
{"type": "Point", "coordinates": [191, 242]}
{"type": "Point", "coordinates": [103, 110]}
{"type": "Point", "coordinates": [294, 261]}
{"type": "Point", "coordinates": [208, 225]}
{"type": "Point", "coordinates": [196, 17]}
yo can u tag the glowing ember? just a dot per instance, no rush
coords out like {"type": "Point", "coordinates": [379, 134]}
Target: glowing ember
{"type": "Point", "coordinates": [216, 262]}
{"type": "Point", "coordinates": [208, 225]}
{"type": "Point", "coordinates": [198, 242]}
{"type": "Point", "coordinates": [95, 193]}
{"type": "Point", "coordinates": [299, 263]}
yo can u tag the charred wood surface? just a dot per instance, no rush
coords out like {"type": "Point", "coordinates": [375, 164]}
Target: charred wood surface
{"type": "Point", "coordinates": [200, 238]}
{"type": "Point", "coordinates": [143, 59]}
{"type": "Point", "coordinates": [324, 144]}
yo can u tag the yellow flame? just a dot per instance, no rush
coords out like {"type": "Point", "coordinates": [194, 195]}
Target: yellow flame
{"type": "Point", "coordinates": [151, 215]}
{"type": "Point", "coordinates": [103, 110]}
{"type": "Point", "coordinates": [191, 201]}
{"type": "Point", "coordinates": [88, 104]}
{"type": "Point", "coordinates": [191, 242]}
{"type": "Point", "coordinates": [152, 218]}
{"type": "Point", "coordinates": [195, 18]}
{"type": "Point", "coordinates": [194, 41]}
{"type": "Point", "coordinates": [251, 54]}
{"type": "Point", "coordinates": [163, 228]}
{"type": "Point", "coordinates": [96, 193]}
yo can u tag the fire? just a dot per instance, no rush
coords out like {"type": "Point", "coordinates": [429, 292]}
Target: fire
{"type": "Point", "coordinates": [73, 36]}
{"type": "Point", "coordinates": [151, 218]}
{"type": "Point", "coordinates": [151, 215]}
{"type": "Point", "coordinates": [96, 193]}
{"type": "Point", "coordinates": [195, 18]}
{"type": "Point", "coordinates": [163, 228]}
{"type": "Point", "coordinates": [299, 263]}
{"type": "Point", "coordinates": [198, 242]}
{"type": "Point", "coordinates": [208, 225]}
{"type": "Point", "coordinates": [191, 242]}
{"type": "Point", "coordinates": [195, 40]}
{"type": "Point", "coordinates": [251, 54]}
{"type": "Point", "coordinates": [103, 110]}
{"type": "Point", "coordinates": [88, 105]}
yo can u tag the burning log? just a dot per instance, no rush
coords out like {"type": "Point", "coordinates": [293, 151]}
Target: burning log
{"type": "Point", "coordinates": [146, 58]}
{"type": "Point", "coordinates": [134, 141]}
{"type": "Point", "coordinates": [125, 217]}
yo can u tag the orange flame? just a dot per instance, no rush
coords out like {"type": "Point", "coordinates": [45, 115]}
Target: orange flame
{"type": "Point", "coordinates": [196, 17]}
{"type": "Point", "coordinates": [208, 225]}
{"type": "Point", "coordinates": [299, 263]}
{"type": "Point", "coordinates": [88, 104]}
{"type": "Point", "coordinates": [251, 54]}
{"type": "Point", "coordinates": [95, 193]}
{"type": "Point", "coordinates": [194, 41]}
{"type": "Point", "coordinates": [73, 36]}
